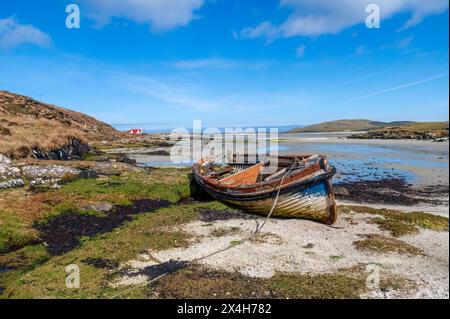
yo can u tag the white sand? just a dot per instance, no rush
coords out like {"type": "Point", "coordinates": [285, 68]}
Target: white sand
{"type": "Point", "coordinates": [332, 249]}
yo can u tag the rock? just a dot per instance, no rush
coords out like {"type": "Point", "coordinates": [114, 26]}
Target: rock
{"type": "Point", "coordinates": [49, 174]}
{"type": "Point", "coordinates": [112, 168]}
{"type": "Point", "coordinates": [74, 150]}
{"type": "Point", "coordinates": [8, 172]}
{"type": "Point", "coordinates": [99, 206]}
{"type": "Point", "coordinates": [88, 173]}
{"type": "Point", "coordinates": [126, 160]}
{"type": "Point", "coordinates": [12, 183]}
{"type": "Point", "coordinates": [9, 175]}
{"type": "Point", "coordinates": [102, 159]}
{"type": "Point", "coordinates": [157, 153]}
{"type": "Point", "coordinates": [5, 160]}
{"type": "Point", "coordinates": [50, 171]}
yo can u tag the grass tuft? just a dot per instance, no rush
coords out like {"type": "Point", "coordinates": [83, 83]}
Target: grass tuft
{"type": "Point", "coordinates": [14, 233]}
{"type": "Point", "coordinates": [383, 244]}
{"type": "Point", "coordinates": [400, 223]}
{"type": "Point", "coordinates": [225, 231]}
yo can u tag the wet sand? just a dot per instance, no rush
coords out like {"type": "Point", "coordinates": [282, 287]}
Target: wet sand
{"type": "Point", "coordinates": [419, 162]}
{"type": "Point", "coordinates": [392, 172]}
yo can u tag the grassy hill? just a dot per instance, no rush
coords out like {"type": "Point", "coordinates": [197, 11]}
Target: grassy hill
{"type": "Point", "coordinates": [27, 124]}
{"type": "Point", "coordinates": [418, 131]}
{"type": "Point", "coordinates": [345, 125]}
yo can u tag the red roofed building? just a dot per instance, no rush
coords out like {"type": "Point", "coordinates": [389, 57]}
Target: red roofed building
{"type": "Point", "coordinates": [135, 131]}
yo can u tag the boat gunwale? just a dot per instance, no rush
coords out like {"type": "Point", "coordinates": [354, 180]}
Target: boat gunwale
{"type": "Point", "coordinates": [265, 185]}
{"type": "Point", "coordinates": [286, 188]}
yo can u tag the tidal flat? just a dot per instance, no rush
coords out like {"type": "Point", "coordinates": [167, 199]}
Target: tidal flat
{"type": "Point", "coordinates": [134, 232]}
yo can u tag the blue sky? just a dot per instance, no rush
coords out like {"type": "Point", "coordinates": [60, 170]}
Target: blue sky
{"type": "Point", "coordinates": [230, 62]}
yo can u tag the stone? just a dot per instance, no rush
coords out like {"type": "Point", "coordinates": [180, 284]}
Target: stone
{"type": "Point", "coordinates": [126, 160]}
{"type": "Point", "coordinates": [99, 206]}
{"type": "Point", "coordinates": [113, 168]}
{"type": "Point", "coordinates": [102, 159]}
{"type": "Point", "coordinates": [74, 150]}
{"type": "Point", "coordinates": [49, 174]}
{"type": "Point", "coordinates": [12, 183]}
{"type": "Point", "coordinates": [9, 175]}
{"type": "Point", "coordinates": [8, 172]}
{"type": "Point", "coordinates": [5, 160]}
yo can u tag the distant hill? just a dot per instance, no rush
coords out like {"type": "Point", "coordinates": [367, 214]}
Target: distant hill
{"type": "Point", "coordinates": [27, 124]}
{"type": "Point", "coordinates": [345, 125]}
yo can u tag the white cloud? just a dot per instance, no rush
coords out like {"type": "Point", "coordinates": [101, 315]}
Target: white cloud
{"type": "Point", "coordinates": [161, 15]}
{"type": "Point", "coordinates": [13, 34]}
{"type": "Point", "coordinates": [300, 51]}
{"type": "Point", "coordinates": [401, 44]}
{"type": "Point", "coordinates": [204, 63]}
{"type": "Point", "coordinates": [361, 50]}
{"type": "Point", "coordinates": [402, 86]}
{"type": "Point", "coordinates": [198, 96]}
{"type": "Point", "coordinates": [318, 17]}
{"type": "Point", "coordinates": [219, 63]}
{"type": "Point", "coordinates": [405, 43]}
{"type": "Point", "coordinates": [368, 76]}
{"type": "Point", "coordinates": [266, 29]}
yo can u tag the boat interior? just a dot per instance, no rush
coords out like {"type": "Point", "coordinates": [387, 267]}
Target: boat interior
{"type": "Point", "coordinates": [237, 173]}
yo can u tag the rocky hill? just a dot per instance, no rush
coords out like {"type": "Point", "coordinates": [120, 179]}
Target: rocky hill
{"type": "Point", "coordinates": [30, 127]}
{"type": "Point", "coordinates": [437, 131]}
{"type": "Point", "coordinates": [344, 125]}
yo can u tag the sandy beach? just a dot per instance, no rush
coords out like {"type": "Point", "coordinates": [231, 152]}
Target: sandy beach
{"type": "Point", "coordinates": [416, 172]}
{"type": "Point", "coordinates": [299, 246]}
{"type": "Point", "coordinates": [135, 232]}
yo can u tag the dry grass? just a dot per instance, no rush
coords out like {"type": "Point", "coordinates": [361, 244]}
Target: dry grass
{"type": "Point", "coordinates": [225, 231]}
{"type": "Point", "coordinates": [438, 128]}
{"type": "Point", "coordinates": [383, 244]}
{"type": "Point", "coordinates": [424, 130]}
{"type": "Point", "coordinates": [30, 133]}
{"type": "Point", "coordinates": [400, 223]}
{"type": "Point", "coordinates": [200, 282]}
{"type": "Point", "coordinates": [266, 237]}
{"type": "Point", "coordinates": [26, 124]}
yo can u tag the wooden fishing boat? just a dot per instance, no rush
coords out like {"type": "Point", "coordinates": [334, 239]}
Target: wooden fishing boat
{"type": "Point", "coordinates": [300, 187]}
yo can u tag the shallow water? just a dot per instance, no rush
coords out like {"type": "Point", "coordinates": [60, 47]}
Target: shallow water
{"type": "Point", "coordinates": [423, 162]}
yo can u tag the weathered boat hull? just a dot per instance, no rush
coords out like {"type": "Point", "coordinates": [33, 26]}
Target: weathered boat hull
{"type": "Point", "coordinates": [313, 203]}
{"type": "Point", "coordinates": [312, 199]}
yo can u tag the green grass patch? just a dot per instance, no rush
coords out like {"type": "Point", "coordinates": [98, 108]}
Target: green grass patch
{"type": "Point", "coordinates": [200, 282]}
{"type": "Point", "coordinates": [145, 231]}
{"type": "Point", "coordinates": [15, 233]}
{"type": "Point", "coordinates": [400, 223]}
{"type": "Point", "coordinates": [25, 258]}
{"type": "Point", "coordinates": [322, 286]}
{"type": "Point", "coordinates": [383, 244]}
{"type": "Point", "coordinates": [133, 144]}
{"type": "Point", "coordinates": [155, 185]}
{"type": "Point", "coordinates": [235, 242]}
{"type": "Point", "coordinates": [94, 157]}
{"type": "Point", "coordinates": [395, 227]}
{"type": "Point", "coordinates": [336, 257]}
{"type": "Point", "coordinates": [266, 237]}
{"type": "Point", "coordinates": [225, 231]}
{"type": "Point", "coordinates": [17, 218]}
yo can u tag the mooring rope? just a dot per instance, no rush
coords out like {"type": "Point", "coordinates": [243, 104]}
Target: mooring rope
{"type": "Point", "coordinates": [240, 242]}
